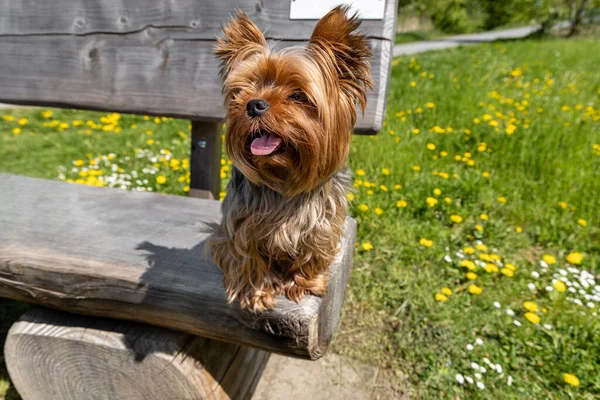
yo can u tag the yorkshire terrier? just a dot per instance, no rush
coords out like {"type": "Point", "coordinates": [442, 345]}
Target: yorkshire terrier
{"type": "Point", "coordinates": [290, 116]}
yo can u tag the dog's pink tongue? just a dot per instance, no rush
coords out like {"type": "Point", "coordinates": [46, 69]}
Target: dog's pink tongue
{"type": "Point", "coordinates": [265, 144]}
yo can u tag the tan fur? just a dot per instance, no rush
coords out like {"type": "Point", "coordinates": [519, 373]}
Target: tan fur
{"type": "Point", "coordinates": [283, 214]}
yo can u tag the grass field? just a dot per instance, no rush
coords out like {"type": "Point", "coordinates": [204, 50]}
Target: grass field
{"type": "Point", "coordinates": [476, 269]}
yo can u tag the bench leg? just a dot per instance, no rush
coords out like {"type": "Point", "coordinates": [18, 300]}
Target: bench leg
{"type": "Point", "coordinates": [205, 163]}
{"type": "Point", "coordinates": [53, 355]}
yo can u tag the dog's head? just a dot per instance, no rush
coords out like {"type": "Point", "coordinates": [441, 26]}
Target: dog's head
{"type": "Point", "coordinates": [290, 114]}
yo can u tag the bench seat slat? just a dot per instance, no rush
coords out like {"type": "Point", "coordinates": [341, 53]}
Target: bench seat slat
{"type": "Point", "coordinates": [139, 256]}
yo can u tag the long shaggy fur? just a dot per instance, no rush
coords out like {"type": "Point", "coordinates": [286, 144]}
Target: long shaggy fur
{"type": "Point", "coordinates": [283, 214]}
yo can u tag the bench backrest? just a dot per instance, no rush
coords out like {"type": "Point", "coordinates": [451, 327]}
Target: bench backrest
{"type": "Point", "coordinates": [149, 56]}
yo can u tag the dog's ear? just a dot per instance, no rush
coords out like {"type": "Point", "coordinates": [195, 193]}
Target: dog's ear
{"type": "Point", "coordinates": [335, 44]}
{"type": "Point", "coordinates": [241, 40]}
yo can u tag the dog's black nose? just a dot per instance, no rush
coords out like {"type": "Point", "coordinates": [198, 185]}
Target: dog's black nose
{"type": "Point", "coordinates": [257, 107]}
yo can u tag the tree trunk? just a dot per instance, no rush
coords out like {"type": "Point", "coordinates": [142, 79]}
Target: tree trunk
{"type": "Point", "coordinates": [577, 18]}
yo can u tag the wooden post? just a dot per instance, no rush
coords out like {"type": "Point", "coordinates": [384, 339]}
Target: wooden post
{"type": "Point", "coordinates": [52, 355]}
{"type": "Point", "coordinates": [205, 163]}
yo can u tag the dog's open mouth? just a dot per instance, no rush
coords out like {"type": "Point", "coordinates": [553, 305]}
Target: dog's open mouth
{"type": "Point", "coordinates": [264, 143]}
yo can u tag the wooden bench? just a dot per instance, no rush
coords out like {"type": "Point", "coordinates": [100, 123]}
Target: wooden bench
{"type": "Point", "coordinates": [138, 257]}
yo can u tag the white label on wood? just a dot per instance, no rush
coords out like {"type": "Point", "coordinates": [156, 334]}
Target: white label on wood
{"type": "Point", "coordinates": [315, 9]}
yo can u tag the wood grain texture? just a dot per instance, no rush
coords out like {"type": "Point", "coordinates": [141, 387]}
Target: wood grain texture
{"type": "Point", "coordinates": [140, 256]}
{"type": "Point", "coordinates": [187, 18]}
{"type": "Point", "coordinates": [205, 160]}
{"type": "Point", "coordinates": [52, 355]}
{"type": "Point", "coordinates": [147, 59]}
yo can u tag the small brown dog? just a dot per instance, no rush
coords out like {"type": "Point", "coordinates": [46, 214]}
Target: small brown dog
{"type": "Point", "coordinates": [290, 116]}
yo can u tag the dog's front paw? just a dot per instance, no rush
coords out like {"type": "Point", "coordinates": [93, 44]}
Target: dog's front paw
{"type": "Point", "coordinates": [297, 288]}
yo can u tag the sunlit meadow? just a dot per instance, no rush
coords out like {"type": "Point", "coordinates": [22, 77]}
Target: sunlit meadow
{"type": "Point", "coordinates": [477, 261]}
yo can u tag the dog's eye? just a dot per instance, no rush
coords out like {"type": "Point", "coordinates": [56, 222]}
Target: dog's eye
{"type": "Point", "coordinates": [235, 92]}
{"type": "Point", "coordinates": [298, 97]}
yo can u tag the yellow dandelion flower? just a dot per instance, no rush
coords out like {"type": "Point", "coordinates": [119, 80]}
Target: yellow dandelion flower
{"type": "Point", "coordinates": [22, 121]}
{"type": "Point", "coordinates": [549, 259]}
{"type": "Point", "coordinates": [413, 84]}
{"type": "Point", "coordinates": [481, 247]}
{"type": "Point", "coordinates": [448, 200]}
{"type": "Point", "coordinates": [562, 204]}
{"type": "Point", "coordinates": [559, 286]}
{"type": "Point", "coordinates": [530, 306]}
{"type": "Point", "coordinates": [416, 131]}
{"type": "Point", "coordinates": [474, 289]}
{"type": "Point", "coordinates": [457, 219]}
{"type": "Point", "coordinates": [430, 146]}
{"type": "Point", "coordinates": [431, 202]}
{"type": "Point", "coordinates": [426, 242]}
{"type": "Point", "coordinates": [510, 266]}
{"type": "Point", "coordinates": [397, 187]}
{"type": "Point", "coordinates": [161, 180]}
{"type": "Point", "coordinates": [484, 217]}
{"type": "Point", "coordinates": [532, 317]}
{"type": "Point", "coordinates": [360, 172]}
{"type": "Point", "coordinates": [518, 229]}
{"type": "Point", "coordinates": [479, 228]}
{"type": "Point", "coordinates": [378, 211]}
{"type": "Point", "coordinates": [383, 188]}
{"type": "Point", "coordinates": [444, 175]}
{"type": "Point", "coordinates": [447, 291]}
{"type": "Point", "coordinates": [401, 204]}
{"type": "Point", "coordinates": [508, 272]}
{"type": "Point", "coordinates": [363, 207]}
{"type": "Point", "coordinates": [469, 250]}
{"type": "Point", "coordinates": [502, 199]}
{"type": "Point", "coordinates": [471, 276]}
{"type": "Point", "coordinates": [468, 264]}
{"type": "Point", "coordinates": [582, 222]}
{"type": "Point", "coordinates": [429, 104]}
{"type": "Point", "coordinates": [490, 268]}
{"type": "Point", "coordinates": [16, 131]}
{"type": "Point", "coordinates": [150, 141]}
{"type": "Point", "coordinates": [485, 174]}
{"type": "Point", "coordinates": [350, 196]}
{"type": "Point", "coordinates": [571, 379]}
{"type": "Point", "coordinates": [441, 297]}
{"type": "Point", "coordinates": [416, 168]}
{"type": "Point", "coordinates": [437, 191]}
{"type": "Point", "coordinates": [575, 258]}
{"type": "Point", "coordinates": [385, 171]}
{"type": "Point", "coordinates": [370, 192]}
{"type": "Point", "coordinates": [367, 246]}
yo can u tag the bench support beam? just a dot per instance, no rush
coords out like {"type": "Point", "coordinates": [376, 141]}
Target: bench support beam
{"type": "Point", "coordinates": [205, 163]}
{"type": "Point", "coordinates": [52, 355]}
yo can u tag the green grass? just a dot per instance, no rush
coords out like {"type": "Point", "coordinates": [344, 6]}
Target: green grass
{"type": "Point", "coordinates": [526, 113]}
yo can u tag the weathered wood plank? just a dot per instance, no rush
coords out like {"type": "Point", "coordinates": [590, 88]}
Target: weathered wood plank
{"type": "Point", "coordinates": [159, 66]}
{"type": "Point", "coordinates": [53, 355]}
{"type": "Point", "coordinates": [205, 160]}
{"type": "Point", "coordinates": [147, 73]}
{"type": "Point", "coordinates": [140, 256]}
{"type": "Point", "coordinates": [186, 18]}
